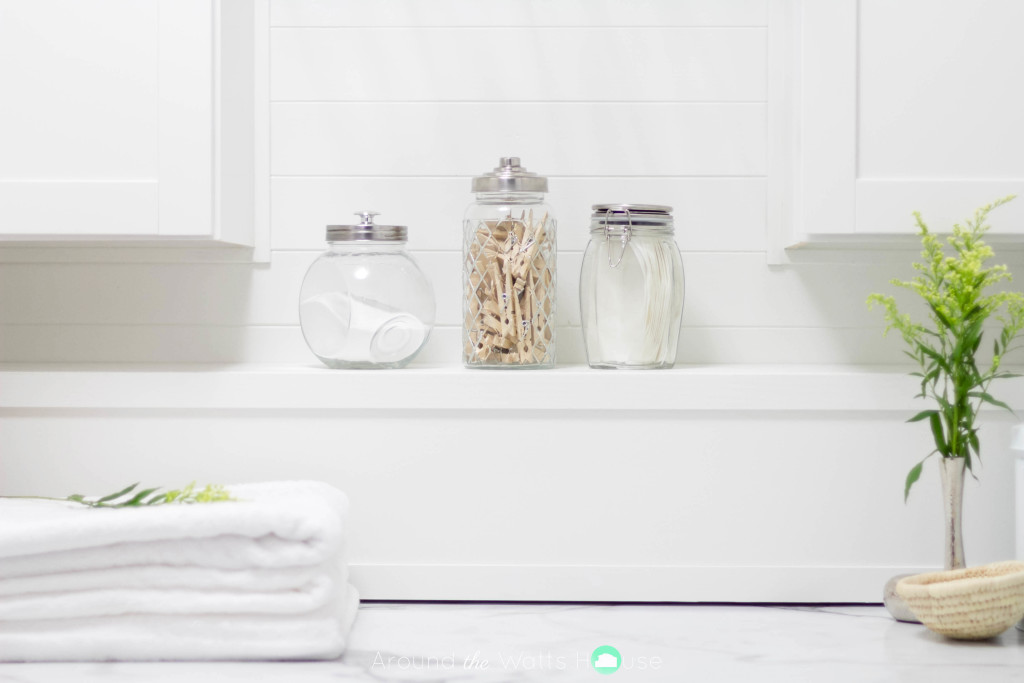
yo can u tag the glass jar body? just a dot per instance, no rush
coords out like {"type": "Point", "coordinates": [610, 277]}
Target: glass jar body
{"type": "Point", "coordinates": [366, 304]}
{"type": "Point", "coordinates": [631, 297]}
{"type": "Point", "coordinates": [508, 280]}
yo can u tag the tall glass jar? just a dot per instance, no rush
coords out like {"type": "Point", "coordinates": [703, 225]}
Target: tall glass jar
{"type": "Point", "coordinates": [364, 302]}
{"type": "Point", "coordinates": [508, 273]}
{"type": "Point", "coordinates": [631, 287]}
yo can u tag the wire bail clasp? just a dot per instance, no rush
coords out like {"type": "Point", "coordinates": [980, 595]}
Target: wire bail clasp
{"type": "Point", "coordinates": [627, 232]}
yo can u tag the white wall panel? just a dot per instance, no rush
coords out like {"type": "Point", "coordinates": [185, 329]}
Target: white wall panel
{"type": "Point", "coordinates": [431, 139]}
{"type": "Point", "coordinates": [796, 345]}
{"type": "Point", "coordinates": [520, 13]}
{"type": "Point", "coordinates": [554, 65]}
{"type": "Point", "coordinates": [283, 345]}
{"type": "Point", "coordinates": [713, 499]}
{"type": "Point", "coordinates": [147, 343]}
{"type": "Point", "coordinates": [711, 214]}
{"type": "Point", "coordinates": [723, 290]}
{"type": "Point", "coordinates": [129, 294]}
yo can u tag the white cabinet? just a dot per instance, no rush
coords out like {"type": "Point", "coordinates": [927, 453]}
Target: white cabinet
{"type": "Point", "coordinates": [885, 108]}
{"type": "Point", "coordinates": [130, 119]}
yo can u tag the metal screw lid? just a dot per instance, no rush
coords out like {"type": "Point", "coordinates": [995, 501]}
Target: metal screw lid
{"type": "Point", "coordinates": [367, 231]}
{"type": "Point", "coordinates": [509, 176]}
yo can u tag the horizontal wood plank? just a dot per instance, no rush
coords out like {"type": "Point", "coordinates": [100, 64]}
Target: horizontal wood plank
{"type": "Point", "coordinates": [711, 214]}
{"type": "Point", "coordinates": [283, 344]}
{"type": "Point", "coordinates": [554, 65]}
{"type": "Point", "coordinates": [438, 139]}
{"type": "Point", "coordinates": [519, 13]}
{"type": "Point", "coordinates": [705, 388]}
{"type": "Point", "coordinates": [723, 290]}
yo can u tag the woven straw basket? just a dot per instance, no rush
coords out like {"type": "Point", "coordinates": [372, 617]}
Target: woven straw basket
{"type": "Point", "coordinates": [969, 604]}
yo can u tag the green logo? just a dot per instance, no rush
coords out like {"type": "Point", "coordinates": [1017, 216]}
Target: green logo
{"type": "Point", "coordinates": [605, 660]}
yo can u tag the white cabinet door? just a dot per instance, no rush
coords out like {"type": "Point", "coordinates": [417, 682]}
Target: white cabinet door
{"type": "Point", "coordinates": [903, 106]}
{"type": "Point", "coordinates": [108, 119]}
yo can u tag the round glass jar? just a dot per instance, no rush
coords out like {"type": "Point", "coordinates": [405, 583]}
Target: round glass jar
{"type": "Point", "coordinates": [508, 273]}
{"type": "Point", "coordinates": [364, 302]}
{"type": "Point", "coordinates": [631, 287]}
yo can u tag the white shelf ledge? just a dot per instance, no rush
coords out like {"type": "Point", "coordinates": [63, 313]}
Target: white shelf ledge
{"type": "Point", "coordinates": [698, 388]}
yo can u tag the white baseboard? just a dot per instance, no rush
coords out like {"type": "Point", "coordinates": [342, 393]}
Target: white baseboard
{"type": "Point", "coordinates": [598, 583]}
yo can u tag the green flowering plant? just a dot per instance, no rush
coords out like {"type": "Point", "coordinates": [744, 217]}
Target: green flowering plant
{"type": "Point", "coordinates": [953, 279]}
{"type": "Point", "coordinates": [128, 497]}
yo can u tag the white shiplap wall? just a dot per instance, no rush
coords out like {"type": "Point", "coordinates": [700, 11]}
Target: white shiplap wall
{"type": "Point", "coordinates": [394, 105]}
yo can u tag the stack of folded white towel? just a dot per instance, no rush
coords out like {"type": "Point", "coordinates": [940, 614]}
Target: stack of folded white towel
{"type": "Point", "coordinates": [261, 577]}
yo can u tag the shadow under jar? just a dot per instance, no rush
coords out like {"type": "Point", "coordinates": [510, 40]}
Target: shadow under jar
{"type": "Point", "coordinates": [508, 273]}
{"type": "Point", "coordinates": [631, 288]}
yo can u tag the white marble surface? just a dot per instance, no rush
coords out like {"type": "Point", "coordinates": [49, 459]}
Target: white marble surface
{"type": "Point", "coordinates": [530, 642]}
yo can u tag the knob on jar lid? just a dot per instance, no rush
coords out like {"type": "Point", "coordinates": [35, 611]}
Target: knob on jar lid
{"type": "Point", "coordinates": [367, 231]}
{"type": "Point", "coordinates": [510, 176]}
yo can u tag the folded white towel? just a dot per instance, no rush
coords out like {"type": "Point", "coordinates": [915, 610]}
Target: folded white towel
{"type": "Point", "coordinates": [177, 581]}
{"type": "Point", "coordinates": [144, 637]}
{"type": "Point", "coordinates": [307, 515]}
{"type": "Point", "coordinates": [142, 576]}
{"type": "Point", "coordinates": [73, 601]}
{"type": "Point", "coordinates": [223, 552]}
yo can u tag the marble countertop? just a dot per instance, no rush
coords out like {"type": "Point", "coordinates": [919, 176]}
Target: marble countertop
{"type": "Point", "coordinates": [553, 642]}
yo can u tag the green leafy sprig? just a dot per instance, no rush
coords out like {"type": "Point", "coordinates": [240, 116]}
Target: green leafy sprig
{"type": "Point", "coordinates": [953, 286]}
{"type": "Point", "coordinates": [128, 497]}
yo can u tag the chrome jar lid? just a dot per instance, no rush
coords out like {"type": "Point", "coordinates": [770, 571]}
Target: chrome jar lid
{"type": "Point", "coordinates": [650, 216]}
{"type": "Point", "coordinates": [509, 176]}
{"type": "Point", "coordinates": [638, 214]}
{"type": "Point", "coordinates": [624, 221]}
{"type": "Point", "coordinates": [367, 231]}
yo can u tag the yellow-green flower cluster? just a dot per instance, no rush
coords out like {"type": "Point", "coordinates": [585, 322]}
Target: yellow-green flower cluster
{"type": "Point", "coordinates": [953, 280]}
{"type": "Point", "coordinates": [212, 493]}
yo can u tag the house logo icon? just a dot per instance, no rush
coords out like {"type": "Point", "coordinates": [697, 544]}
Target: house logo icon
{"type": "Point", "coordinates": [605, 660]}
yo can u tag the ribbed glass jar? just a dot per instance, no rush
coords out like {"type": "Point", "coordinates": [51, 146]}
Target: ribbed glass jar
{"type": "Point", "coordinates": [508, 272]}
{"type": "Point", "coordinates": [364, 302]}
{"type": "Point", "coordinates": [631, 288]}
